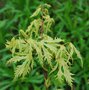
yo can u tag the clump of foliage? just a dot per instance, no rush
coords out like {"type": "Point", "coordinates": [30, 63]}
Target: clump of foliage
{"type": "Point", "coordinates": [34, 47]}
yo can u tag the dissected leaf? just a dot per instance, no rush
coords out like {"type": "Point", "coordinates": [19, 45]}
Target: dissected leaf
{"type": "Point", "coordinates": [34, 47]}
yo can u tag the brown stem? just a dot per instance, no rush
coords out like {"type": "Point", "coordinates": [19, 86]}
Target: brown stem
{"type": "Point", "coordinates": [42, 24]}
{"type": "Point", "coordinates": [41, 34]}
{"type": "Point", "coordinates": [45, 76]}
{"type": "Point", "coordinates": [41, 29]}
{"type": "Point", "coordinates": [72, 88]}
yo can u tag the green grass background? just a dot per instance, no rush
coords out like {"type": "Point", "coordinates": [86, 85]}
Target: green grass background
{"type": "Point", "coordinates": [71, 23]}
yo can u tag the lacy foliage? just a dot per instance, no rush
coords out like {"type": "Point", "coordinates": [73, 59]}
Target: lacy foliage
{"type": "Point", "coordinates": [34, 47]}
